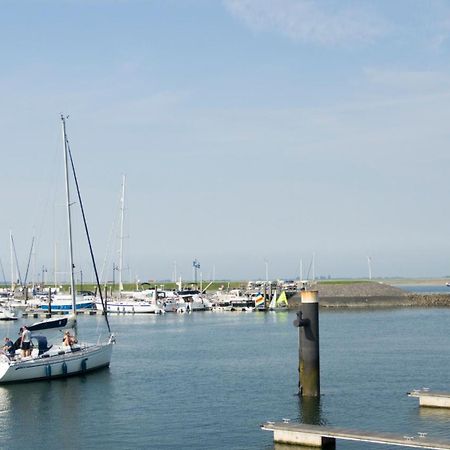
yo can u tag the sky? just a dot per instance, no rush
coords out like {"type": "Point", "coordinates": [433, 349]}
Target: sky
{"type": "Point", "coordinates": [255, 136]}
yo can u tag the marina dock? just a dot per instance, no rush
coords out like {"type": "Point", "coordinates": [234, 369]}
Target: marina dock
{"type": "Point", "coordinates": [46, 315]}
{"type": "Point", "coordinates": [431, 399]}
{"type": "Point", "coordinates": [325, 437]}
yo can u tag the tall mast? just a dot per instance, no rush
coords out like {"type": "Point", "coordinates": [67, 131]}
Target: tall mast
{"type": "Point", "coordinates": [34, 268]}
{"type": "Point", "coordinates": [12, 259]}
{"type": "Point", "coordinates": [55, 266]}
{"type": "Point", "coordinates": [122, 209]}
{"type": "Point", "coordinates": [69, 218]}
{"type": "Point", "coordinates": [314, 266]}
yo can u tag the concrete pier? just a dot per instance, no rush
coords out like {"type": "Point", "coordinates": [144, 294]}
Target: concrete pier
{"type": "Point", "coordinates": [431, 399]}
{"type": "Point", "coordinates": [325, 437]}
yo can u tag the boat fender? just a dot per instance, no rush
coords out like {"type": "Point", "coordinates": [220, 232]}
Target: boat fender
{"type": "Point", "coordinates": [64, 368]}
{"type": "Point", "coordinates": [84, 365]}
{"type": "Point", "coordinates": [48, 370]}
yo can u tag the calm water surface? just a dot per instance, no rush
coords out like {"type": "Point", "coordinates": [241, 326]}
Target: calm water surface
{"type": "Point", "coordinates": [207, 380]}
{"type": "Point", "coordinates": [425, 288]}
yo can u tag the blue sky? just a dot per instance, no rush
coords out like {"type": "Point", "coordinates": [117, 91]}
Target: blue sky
{"type": "Point", "coordinates": [250, 131]}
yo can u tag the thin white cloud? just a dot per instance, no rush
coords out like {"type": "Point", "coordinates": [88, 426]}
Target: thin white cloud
{"type": "Point", "coordinates": [442, 35]}
{"type": "Point", "coordinates": [319, 22]}
{"type": "Point", "coordinates": [416, 81]}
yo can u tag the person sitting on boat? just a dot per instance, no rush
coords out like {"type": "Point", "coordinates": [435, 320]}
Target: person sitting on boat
{"type": "Point", "coordinates": [8, 348]}
{"type": "Point", "coordinates": [25, 342]}
{"type": "Point", "coordinates": [68, 339]}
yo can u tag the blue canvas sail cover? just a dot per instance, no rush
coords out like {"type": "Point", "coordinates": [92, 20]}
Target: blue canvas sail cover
{"type": "Point", "coordinates": [48, 324]}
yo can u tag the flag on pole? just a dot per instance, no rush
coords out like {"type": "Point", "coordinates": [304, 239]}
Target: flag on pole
{"type": "Point", "coordinates": [259, 300]}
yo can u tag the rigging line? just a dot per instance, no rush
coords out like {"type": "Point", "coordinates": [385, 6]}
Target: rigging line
{"type": "Point", "coordinates": [17, 262]}
{"type": "Point", "coordinates": [106, 260]}
{"type": "Point", "coordinates": [46, 197]}
{"type": "Point", "coordinates": [309, 269]}
{"type": "Point", "coordinates": [87, 234]}
{"type": "Point", "coordinates": [29, 259]}
{"type": "Point", "coordinates": [3, 272]}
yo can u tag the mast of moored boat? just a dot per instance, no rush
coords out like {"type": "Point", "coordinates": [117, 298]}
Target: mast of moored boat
{"type": "Point", "coordinates": [69, 225]}
{"type": "Point", "coordinates": [122, 209]}
{"type": "Point", "coordinates": [12, 260]}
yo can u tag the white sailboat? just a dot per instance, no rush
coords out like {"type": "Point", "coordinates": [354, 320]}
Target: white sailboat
{"type": "Point", "coordinates": [141, 302]}
{"type": "Point", "coordinates": [128, 302]}
{"type": "Point", "coordinates": [280, 303]}
{"type": "Point", "coordinates": [59, 360]}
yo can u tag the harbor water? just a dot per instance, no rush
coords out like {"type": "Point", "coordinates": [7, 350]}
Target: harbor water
{"type": "Point", "coordinates": [208, 380]}
{"type": "Point", "coordinates": [425, 288]}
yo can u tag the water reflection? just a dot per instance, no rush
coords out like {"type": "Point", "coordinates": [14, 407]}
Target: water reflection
{"type": "Point", "coordinates": [310, 411]}
{"type": "Point", "coordinates": [5, 407]}
{"type": "Point", "coordinates": [435, 414]}
{"type": "Point", "coordinates": [268, 317]}
{"type": "Point", "coordinates": [55, 406]}
{"type": "Point", "coordinates": [278, 446]}
{"type": "Point", "coordinates": [5, 400]}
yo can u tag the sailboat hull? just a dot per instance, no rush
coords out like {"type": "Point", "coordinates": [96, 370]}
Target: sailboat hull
{"type": "Point", "coordinates": [130, 307]}
{"type": "Point", "coordinates": [59, 364]}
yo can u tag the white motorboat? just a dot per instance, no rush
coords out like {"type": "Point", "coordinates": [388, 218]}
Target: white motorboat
{"type": "Point", "coordinates": [183, 301]}
{"type": "Point", "coordinates": [8, 312]}
{"type": "Point", "coordinates": [63, 302]}
{"type": "Point", "coordinates": [18, 305]}
{"type": "Point", "coordinates": [234, 300]}
{"type": "Point", "coordinates": [168, 301]}
{"type": "Point", "coordinates": [57, 360]}
{"type": "Point", "coordinates": [193, 300]}
{"type": "Point", "coordinates": [234, 295]}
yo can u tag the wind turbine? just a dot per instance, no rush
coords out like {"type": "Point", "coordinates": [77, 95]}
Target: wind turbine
{"type": "Point", "coordinates": [369, 263]}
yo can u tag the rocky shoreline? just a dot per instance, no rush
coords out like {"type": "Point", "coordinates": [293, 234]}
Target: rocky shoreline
{"type": "Point", "coordinates": [370, 295]}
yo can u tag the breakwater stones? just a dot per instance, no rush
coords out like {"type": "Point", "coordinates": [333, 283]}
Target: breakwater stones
{"type": "Point", "coordinates": [370, 295]}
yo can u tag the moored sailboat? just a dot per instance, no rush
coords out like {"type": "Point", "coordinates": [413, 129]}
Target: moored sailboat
{"type": "Point", "coordinates": [128, 302]}
{"type": "Point", "coordinates": [71, 357]}
{"type": "Point", "coordinates": [280, 303]}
